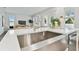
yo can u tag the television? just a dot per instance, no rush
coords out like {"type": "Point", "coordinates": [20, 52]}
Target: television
{"type": "Point", "coordinates": [22, 22]}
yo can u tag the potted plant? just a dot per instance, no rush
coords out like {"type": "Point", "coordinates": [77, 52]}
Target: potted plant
{"type": "Point", "coordinates": [55, 22]}
{"type": "Point", "coordinates": [69, 23]}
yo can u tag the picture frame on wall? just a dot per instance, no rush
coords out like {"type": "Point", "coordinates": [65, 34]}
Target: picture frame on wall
{"type": "Point", "coordinates": [45, 21]}
{"type": "Point", "coordinates": [36, 21]}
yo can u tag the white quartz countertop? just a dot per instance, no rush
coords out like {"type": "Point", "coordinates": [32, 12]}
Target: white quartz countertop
{"type": "Point", "coordinates": [10, 41]}
{"type": "Point", "coordinates": [57, 30]}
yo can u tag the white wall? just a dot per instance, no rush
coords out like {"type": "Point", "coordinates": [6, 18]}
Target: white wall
{"type": "Point", "coordinates": [52, 11]}
{"type": "Point", "coordinates": [5, 20]}
{"type": "Point", "coordinates": [77, 17]}
{"type": "Point", "coordinates": [60, 12]}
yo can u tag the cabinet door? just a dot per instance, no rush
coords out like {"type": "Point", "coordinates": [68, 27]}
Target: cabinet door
{"type": "Point", "coordinates": [23, 41]}
{"type": "Point", "coordinates": [36, 37]}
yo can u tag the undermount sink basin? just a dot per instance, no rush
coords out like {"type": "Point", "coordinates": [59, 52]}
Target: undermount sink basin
{"type": "Point", "coordinates": [40, 36]}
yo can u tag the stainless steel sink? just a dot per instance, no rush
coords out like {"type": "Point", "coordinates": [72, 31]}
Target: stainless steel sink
{"type": "Point", "coordinates": [40, 36]}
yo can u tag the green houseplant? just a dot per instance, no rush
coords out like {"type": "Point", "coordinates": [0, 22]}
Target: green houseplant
{"type": "Point", "coordinates": [55, 22]}
{"type": "Point", "coordinates": [69, 23]}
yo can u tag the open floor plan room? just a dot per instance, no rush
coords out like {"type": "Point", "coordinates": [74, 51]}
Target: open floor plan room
{"type": "Point", "coordinates": [39, 28]}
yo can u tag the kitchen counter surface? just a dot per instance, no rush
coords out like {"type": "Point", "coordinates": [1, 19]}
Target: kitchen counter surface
{"type": "Point", "coordinates": [10, 41]}
{"type": "Point", "coordinates": [32, 30]}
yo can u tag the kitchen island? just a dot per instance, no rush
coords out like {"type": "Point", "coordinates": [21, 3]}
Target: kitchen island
{"type": "Point", "coordinates": [10, 41]}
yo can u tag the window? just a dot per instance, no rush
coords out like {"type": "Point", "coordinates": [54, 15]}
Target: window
{"type": "Point", "coordinates": [69, 11]}
{"type": "Point", "coordinates": [11, 20]}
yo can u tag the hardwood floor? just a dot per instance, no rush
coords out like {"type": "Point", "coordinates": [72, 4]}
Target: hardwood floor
{"type": "Point", "coordinates": [57, 46]}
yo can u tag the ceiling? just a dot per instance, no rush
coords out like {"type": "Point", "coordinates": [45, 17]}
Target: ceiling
{"type": "Point", "coordinates": [24, 10]}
